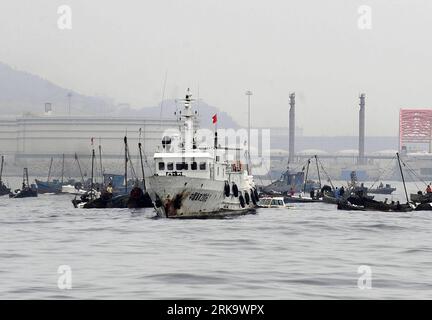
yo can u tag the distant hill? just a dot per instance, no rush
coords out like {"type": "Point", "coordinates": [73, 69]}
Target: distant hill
{"type": "Point", "coordinates": [22, 92]}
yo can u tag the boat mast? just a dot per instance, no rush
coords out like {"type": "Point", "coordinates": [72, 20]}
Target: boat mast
{"type": "Point", "coordinates": [305, 180]}
{"type": "Point", "coordinates": [142, 167]}
{"type": "Point", "coordinates": [49, 170]}
{"type": "Point", "coordinates": [79, 167]}
{"type": "Point", "coordinates": [188, 123]}
{"type": "Point", "coordinates": [403, 179]}
{"type": "Point", "coordinates": [25, 178]}
{"type": "Point", "coordinates": [1, 169]}
{"type": "Point", "coordinates": [319, 176]}
{"type": "Point", "coordinates": [62, 176]}
{"type": "Point", "coordinates": [92, 175]}
{"type": "Point", "coordinates": [141, 159]}
{"type": "Point", "coordinates": [249, 165]}
{"type": "Point", "coordinates": [126, 161]}
{"type": "Point", "coordinates": [100, 161]}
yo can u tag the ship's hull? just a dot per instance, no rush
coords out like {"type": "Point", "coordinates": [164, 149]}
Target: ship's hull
{"type": "Point", "coordinates": [48, 187]}
{"type": "Point", "coordinates": [187, 197]}
{"type": "Point", "coordinates": [4, 190]}
{"type": "Point", "coordinates": [72, 190]}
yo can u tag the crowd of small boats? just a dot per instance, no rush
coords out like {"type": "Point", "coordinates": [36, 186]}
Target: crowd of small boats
{"type": "Point", "coordinates": [352, 197]}
{"type": "Point", "coordinates": [190, 181]}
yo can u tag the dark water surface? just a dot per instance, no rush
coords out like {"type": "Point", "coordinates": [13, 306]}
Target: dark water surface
{"type": "Point", "coordinates": [310, 251]}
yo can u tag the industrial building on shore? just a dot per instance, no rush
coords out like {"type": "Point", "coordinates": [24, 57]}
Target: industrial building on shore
{"type": "Point", "coordinates": [31, 140]}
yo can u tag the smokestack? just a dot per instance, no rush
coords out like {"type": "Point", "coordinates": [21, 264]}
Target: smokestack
{"type": "Point", "coordinates": [291, 128]}
{"type": "Point", "coordinates": [361, 156]}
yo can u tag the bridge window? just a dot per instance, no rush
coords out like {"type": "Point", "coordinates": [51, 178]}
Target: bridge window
{"type": "Point", "coordinates": [182, 166]}
{"type": "Point", "coordinates": [194, 165]}
{"type": "Point", "coordinates": [161, 165]}
{"type": "Point", "coordinates": [170, 166]}
{"type": "Point", "coordinates": [203, 165]}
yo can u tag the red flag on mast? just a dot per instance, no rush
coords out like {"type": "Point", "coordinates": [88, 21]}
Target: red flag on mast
{"type": "Point", "coordinates": [214, 118]}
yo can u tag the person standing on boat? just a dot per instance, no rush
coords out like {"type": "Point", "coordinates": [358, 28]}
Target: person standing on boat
{"type": "Point", "coordinates": [341, 191]}
{"type": "Point", "coordinates": [337, 193]}
{"type": "Point", "coordinates": [291, 192]}
{"type": "Point", "coordinates": [109, 189]}
{"type": "Point", "coordinates": [428, 189]}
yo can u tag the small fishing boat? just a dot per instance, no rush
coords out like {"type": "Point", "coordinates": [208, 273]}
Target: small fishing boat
{"type": "Point", "coordinates": [4, 190]}
{"type": "Point", "coordinates": [361, 200]}
{"type": "Point", "coordinates": [294, 181]}
{"type": "Point", "coordinates": [139, 197]}
{"type": "Point", "coordinates": [381, 189]}
{"type": "Point", "coordinates": [423, 207]}
{"type": "Point", "coordinates": [55, 185]}
{"type": "Point", "coordinates": [272, 202]}
{"type": "Point", "coordinates": [73, 189]}
{"type": "Point", "coordinates": [27, 190]}
{"type": "Point", "coordinates": [329, 198]}
{"type": "Point", "coordinates": [345, 205]}
{"type": "Point", "coordinates": [373, 205]}
{"type": "Point", "coordinates": [421, 197]}
{"type": "Point", "coordinates": [300, 199]}
{"type": "Point", "coordinates": [120, 198]}
{"type": "Point", "coordinates": [96, 200]}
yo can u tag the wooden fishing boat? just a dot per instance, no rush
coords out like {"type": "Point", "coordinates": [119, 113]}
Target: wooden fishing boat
{"type": "Point", "coordinates": [421, 197]}
{"type": "Point", "coordinates": [4, 190]}
{"type": "Point", "coordinates": [381, 189]}
{"type": "Point", "coordinates": [27, 190]}
{"type": "Point", "coordinates": [345, 205]}
{"type": "Point", "coordinates": [423, 207]}
{"type": "Point", "coordinates": [301, 199]}
{"type": "Point", "coordinates": [121, 198]}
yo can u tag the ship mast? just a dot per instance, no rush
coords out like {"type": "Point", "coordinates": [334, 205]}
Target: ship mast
{"type": "Point", "coordinates": [188, 122]}
{"type": "Point", "coordinates": [1, 168]}
{"type": "Point", "coordinates": [402, 175]}
{"type": "Point", "coordinates": [49, 170]}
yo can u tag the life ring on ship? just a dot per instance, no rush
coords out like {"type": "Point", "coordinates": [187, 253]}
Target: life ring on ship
{"type": "Point", "coordinates": [227, 189]}
{"type": "Point", "coordinates": [242, 201]}
{"type": "Point", "coordinates": [235, 190]}
{"type": "Point", "coordinates": [253, 197]}
{"type": "Point", "coordinates": [247, 197]}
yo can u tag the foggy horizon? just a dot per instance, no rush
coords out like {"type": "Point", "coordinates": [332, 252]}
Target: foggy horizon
{"type": "Point", "coordinates": [221, 50]}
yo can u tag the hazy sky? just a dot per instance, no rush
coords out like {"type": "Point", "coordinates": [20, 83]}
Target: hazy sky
{"type": "Point", "coordinates": [122, 49]}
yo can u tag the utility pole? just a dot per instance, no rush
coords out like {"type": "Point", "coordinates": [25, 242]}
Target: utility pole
{"type": "Point", "coordinates": [248, 94]}
{"type": "Point", "coordinates": [291, 138]}
{"type": "Point", "coordinates": [361, 155]}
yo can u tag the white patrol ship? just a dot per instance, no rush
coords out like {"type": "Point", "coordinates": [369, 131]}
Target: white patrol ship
{"type": "Point", "coordinates": [191, 182]}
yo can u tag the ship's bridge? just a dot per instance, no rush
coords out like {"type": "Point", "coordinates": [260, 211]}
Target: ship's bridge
{"type": "Point", "coordinates": [196, 164]}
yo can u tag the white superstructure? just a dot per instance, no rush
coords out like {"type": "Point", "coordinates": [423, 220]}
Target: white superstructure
{"type": "Point", "coordinates": [198, 182]}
